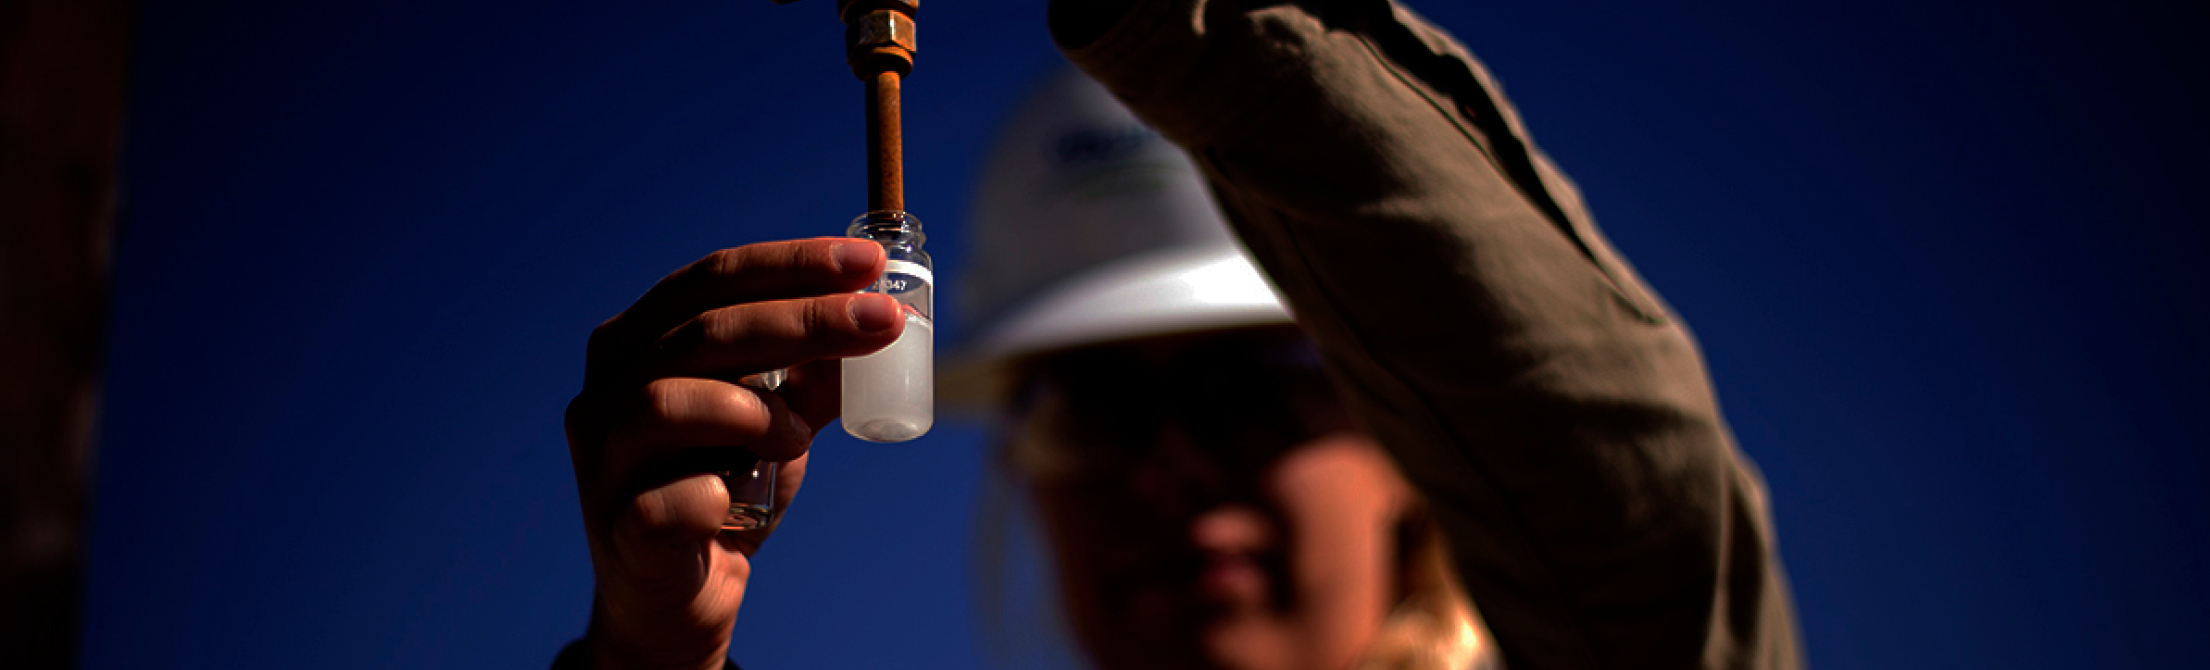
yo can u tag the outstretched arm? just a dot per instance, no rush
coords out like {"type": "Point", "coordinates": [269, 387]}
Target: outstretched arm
{"type": "Point", "coordinates": [1556, 415]}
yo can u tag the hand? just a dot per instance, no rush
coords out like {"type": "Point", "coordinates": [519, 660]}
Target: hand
{"type": "Point", "coordinates": [661, 411]}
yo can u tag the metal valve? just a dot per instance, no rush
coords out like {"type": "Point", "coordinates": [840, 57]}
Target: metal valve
{"type": "Point", "coordinates": [879, 45]}
{"type": "Point", "coordinates": [880, 40]}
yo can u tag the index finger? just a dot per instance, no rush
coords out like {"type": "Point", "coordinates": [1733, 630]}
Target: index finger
{"type": "Point", "coordinates": [750, 273]}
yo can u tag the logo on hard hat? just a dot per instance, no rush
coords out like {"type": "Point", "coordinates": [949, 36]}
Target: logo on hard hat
{"type": "Point", "coordinates": [1103, 144]}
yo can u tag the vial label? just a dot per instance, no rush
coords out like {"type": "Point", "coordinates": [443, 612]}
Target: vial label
{"type": "Point", "coordinates": [911, 283]}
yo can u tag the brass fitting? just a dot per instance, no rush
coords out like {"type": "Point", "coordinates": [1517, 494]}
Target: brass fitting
{"type": "Point", "coordinates": [878, 41]}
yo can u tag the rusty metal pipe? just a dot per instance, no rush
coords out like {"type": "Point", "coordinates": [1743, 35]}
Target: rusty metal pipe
{"type": "Point", "coordinates": [885, 144]}
{"type": "Point", "coordinates": [879, 43]}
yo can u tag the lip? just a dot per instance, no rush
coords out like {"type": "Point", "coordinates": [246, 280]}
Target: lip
{"type": "Point", "coordinates": [1232, 580]}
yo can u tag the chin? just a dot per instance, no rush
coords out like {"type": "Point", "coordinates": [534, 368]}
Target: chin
{"type": "Point", "coordinates": [1264, 642]}
{"type": "Point", "coordinates": [1242, 643]}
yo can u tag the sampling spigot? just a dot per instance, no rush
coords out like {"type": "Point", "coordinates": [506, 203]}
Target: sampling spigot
{"type": "Point", "coordinates": [879, 44]}
{"type": "Point", "coordinates": [878, 36]}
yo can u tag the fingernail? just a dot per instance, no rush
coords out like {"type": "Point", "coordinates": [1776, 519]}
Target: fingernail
{"type": "Point", "coordinates": [874, 313]}
{"type": "Point", "coordinates": [857, 256]}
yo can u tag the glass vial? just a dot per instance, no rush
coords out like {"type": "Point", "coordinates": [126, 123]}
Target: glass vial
{"type": "Point", "coordinates": [890, 395]}
{"type": "Point", "coordinates": [752, 489]}
{"type": "Point", "coordinates": [751, 496]}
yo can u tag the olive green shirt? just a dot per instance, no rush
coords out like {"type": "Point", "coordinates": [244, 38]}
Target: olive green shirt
{"type": "Point", "coordinates": [1554, 412]}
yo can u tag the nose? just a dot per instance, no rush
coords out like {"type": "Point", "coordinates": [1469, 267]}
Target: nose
{"type": "Point", "coordinates": [1179, 481]}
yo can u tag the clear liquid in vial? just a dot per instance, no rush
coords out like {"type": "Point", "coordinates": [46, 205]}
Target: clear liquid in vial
{"type": "Point", "coordinates": [745, 516]}
{"type": "Point", "coordinates": [889, 395]}
{"type": "Point", "coordinates": [751, 496]}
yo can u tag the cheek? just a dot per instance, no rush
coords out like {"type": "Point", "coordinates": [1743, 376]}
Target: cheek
{"type": "Point", "coordinates": [1098, 559]}
{"type": "Point", "coordinates": [1341, 499]}
{"type": "Point", "coordinates": [1077, 549]}
{"type": "Point", "coordinates": [1075, 557]}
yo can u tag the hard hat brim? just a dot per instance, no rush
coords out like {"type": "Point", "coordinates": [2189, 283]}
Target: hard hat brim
{"type": "Point", "coordinates": [1165, 292]}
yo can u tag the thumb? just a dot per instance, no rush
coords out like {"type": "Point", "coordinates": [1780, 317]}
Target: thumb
{"type": "Point", "coordinates": [662, 540]}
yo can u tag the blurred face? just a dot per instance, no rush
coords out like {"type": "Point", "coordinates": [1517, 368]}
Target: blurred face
{"type": "Point", "coordinates": [1211, 504]}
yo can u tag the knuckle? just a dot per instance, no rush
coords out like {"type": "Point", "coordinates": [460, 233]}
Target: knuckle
{"type": "Point", "coordinates": [742, 411]}
{"type": "Point", "coordinates": [666, 401]}
{"type": "Point", "coordinates": [722, 326]}
{"type": "Point", "coordinates": [600, 346]}
{"type": "Point", "coordinates": [800, 254]}
{"type": "Point", "coordinates": [829, 317]}
{"type": "Point", "coordinates": [821, 253]}
{"type": "Point", "coordinates": [651, 510]}
{"type": "Point", "coordinates": [704, 405]}
{"type": "Point", "coordinates": [679, 505]}
{"type": "Point", "coordinates": [600, 334]}
{"type": "Point", "coordinates": [778, 321]}
{"type": "Point", "coordinates": [726, 262]}
{"type": "Point", "coordinates": [578, 415]}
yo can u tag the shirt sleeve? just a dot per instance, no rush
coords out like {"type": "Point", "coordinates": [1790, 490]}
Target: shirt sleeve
{"type": "Point", "coordinates": [1555, 414]}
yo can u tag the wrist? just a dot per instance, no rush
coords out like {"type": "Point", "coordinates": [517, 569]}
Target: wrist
{"type": "Point", "coordinates": [611, 645]}
{"type": "Point", "coordinates": [583, 654]}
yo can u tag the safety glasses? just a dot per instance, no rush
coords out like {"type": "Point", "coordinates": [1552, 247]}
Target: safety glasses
{"type": "Point", "coordinates": [1241, 399]}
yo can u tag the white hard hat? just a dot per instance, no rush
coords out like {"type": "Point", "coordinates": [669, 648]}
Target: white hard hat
{"type": "Point", "coordinates": [1091, 228]}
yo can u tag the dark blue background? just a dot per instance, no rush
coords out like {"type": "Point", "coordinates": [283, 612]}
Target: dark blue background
{"type": "Point", "coordinates": [1946, 259]}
